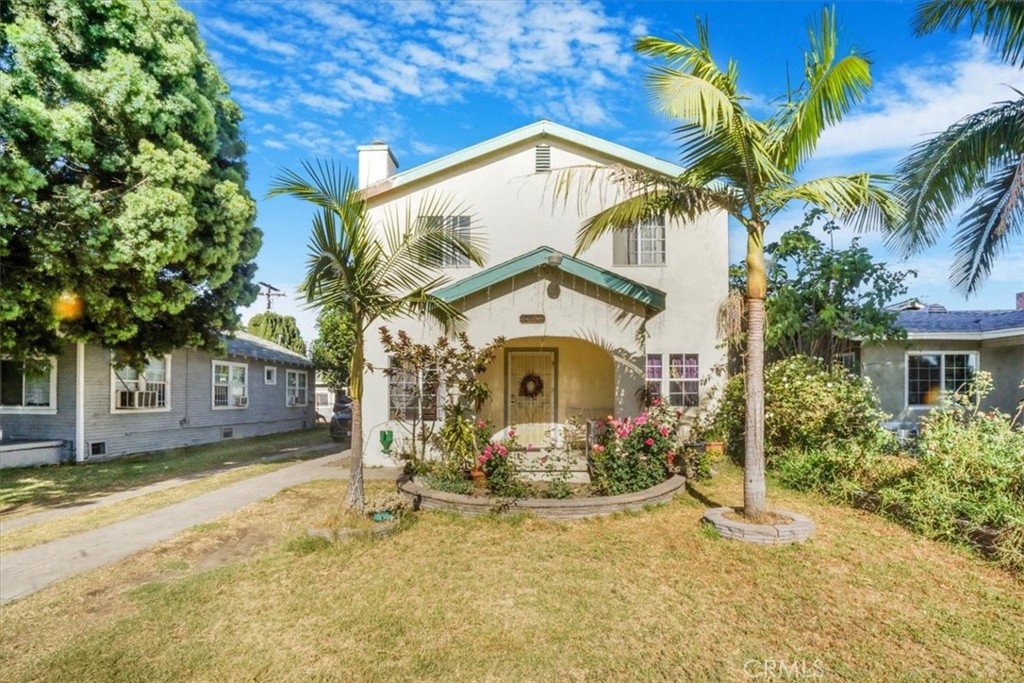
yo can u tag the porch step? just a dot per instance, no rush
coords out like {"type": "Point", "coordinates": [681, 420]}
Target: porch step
{"type": "Point", "coordinates": [535, 465]}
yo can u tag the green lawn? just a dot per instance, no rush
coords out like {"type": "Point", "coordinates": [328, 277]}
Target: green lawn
{"type": "Point", "coordinates": [32, 489]}
{"type": "Point", "coordinates": [645, 596]}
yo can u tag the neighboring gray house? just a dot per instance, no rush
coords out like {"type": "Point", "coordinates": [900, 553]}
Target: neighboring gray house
{"type": "Point", "coordinates": [943, 350]}
{"type": "Point", "coordinates": [85, 408]}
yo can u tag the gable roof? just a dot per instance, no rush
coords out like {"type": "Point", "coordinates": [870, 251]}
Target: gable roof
{"type": "Point", "coordinates": [539, 130]}
{"type": "Point", "coordinates": [653, 299]}
{"type": "Point", "coordinates": [247, 345]}
{"type": "Point", "coordinates": [942, 324]}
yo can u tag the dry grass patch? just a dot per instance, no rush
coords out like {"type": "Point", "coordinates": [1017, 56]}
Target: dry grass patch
{"type": "Point", "coordinates": [32, 489]}
{"type": "Point", "coordinates": [642, 596]}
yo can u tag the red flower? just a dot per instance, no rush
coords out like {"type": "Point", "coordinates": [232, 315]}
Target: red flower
{"type": "Point", "coordinates": [649, 441]}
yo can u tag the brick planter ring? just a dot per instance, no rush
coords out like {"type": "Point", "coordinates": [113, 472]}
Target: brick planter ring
{"type": "Point", "coordinates": [797, 531]}
{"type": "Point", "coordinates": [573, 508]}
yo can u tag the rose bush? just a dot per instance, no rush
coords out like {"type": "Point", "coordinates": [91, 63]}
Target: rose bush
{"type": "Point", "coordinates": [631, 455]}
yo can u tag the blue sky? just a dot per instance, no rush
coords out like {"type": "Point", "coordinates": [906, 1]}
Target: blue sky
{"type": "Point", "coordinates": [319, 78]}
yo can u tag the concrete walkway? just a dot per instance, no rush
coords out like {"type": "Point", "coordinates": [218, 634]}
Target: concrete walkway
{"type": "Point", "coordinates": [26, 571]}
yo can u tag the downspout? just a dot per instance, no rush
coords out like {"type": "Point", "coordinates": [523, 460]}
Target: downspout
{"type": "Point", "coordinates": [80, 402]}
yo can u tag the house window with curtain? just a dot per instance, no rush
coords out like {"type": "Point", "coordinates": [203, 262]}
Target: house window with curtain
{"type": "Point", "coordinates": [230, 390]}
{"type": "Point", "coordinates": [929, 375]}
{"type": "Point", "coordinates": [684, 380]}
{"type": "Point", "coordinates": [412, 395]}
{"type": "Point", "coordinates": [28, 387]}
{"type": "Point", "coordinates": [459, 228]}
{"type": "Point", "coordinates": [643, 245]}
{"type": "Point", "coordinates": [653, 375]}
{"type": "Point", "coordinates": [297, 388]}
{"type": "Point", "coordinates": [135, 390]}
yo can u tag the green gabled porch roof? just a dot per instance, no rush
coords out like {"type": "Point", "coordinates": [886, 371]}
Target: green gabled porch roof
{"type": "Point", "coordinates": [652, 298]}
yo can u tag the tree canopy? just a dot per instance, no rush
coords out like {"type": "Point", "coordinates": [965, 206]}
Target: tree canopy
{"type": "Point", "coordinates": [331, 351]}
{"type": "Point", "coordinates": [280, 329]}
{"type": "Point", "coordinates": [125, 217]}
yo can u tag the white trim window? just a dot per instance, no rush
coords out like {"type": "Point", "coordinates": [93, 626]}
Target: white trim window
{"type": "Point", "coordinates": [684, 380]}
{"type": "Point", "coordinates": [930, 374]}
{"type": "Point", "coordinates": [459, 228]}
{"type": "Point", "coordinates": [132, 391]}
{"type": "Point", "coordinates": [230, 385]}
{"type": "Point", "coordinates": [653, 373]}
{"type": "Point", "coordinates": [411, 395]}
{"type": "Point", "coordinates": [296, 388]}
{"type": "Point", "coordinates": [270, 375]}
{"type": "Point", "coordinates": [642, 245]}
{"type": "Point", "coordinates": [30, 388]}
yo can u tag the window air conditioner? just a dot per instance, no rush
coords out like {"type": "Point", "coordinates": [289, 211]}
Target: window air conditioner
{"type": "Point", "coordinates": [242, 401]}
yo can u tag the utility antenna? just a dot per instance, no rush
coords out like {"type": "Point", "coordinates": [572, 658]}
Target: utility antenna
{"type": "Point", "coordinates": [271, 292]}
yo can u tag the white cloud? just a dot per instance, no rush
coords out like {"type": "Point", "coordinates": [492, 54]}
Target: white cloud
{"type": "Point", "coordinates": [919, 101]}
{"type": "Point", "coordinates": [329, 105]}
{"type": "Point", "coordinates": [254, 38]}
{"type": "Point", "coordinates": [274, 144]}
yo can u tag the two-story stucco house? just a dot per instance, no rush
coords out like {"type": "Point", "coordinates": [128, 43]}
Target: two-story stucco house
{"type": "Point", "coordinates": [83, 406]}
{"type": "Point", "coordinates": [586, 334]}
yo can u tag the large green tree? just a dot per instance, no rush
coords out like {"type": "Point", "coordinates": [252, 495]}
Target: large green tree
{"type": "Point", "coordinates": [979, 159]}
{"type": "Point", "coordinates": [821, 298]}
{"type": "Point", "coordinates": [331, 351]}
{"type": "Point", "coordinates": [747, 168]}
{"type": "Point", "coordinates": [377, 269]}
{"type": "Point", "coordinates": [280, 329]}
{"type": "Point", "coordinates": [125, 218]}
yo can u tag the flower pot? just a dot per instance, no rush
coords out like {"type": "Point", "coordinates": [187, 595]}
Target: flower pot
{"type": "Point", "coordinates": [479, 477]}
{"type": "Point", "coordinates": [670, 460]}
{"type": "Point", "coordinates": [715, 447]}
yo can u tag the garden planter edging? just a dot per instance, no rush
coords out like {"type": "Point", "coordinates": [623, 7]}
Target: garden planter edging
{"type": "Point", "coordinates": [572, 508]}
{"type": "Point", "coordinates": [800, 529]}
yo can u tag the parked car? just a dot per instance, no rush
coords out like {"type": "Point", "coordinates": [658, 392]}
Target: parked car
{"type": "Point", "coordinates": [341, 421]}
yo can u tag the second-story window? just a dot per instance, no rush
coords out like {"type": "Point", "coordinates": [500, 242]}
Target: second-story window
{"type": "Point", "coordinates": [643, 245]}
{"type": "Point", "coordinates": [459, 228]}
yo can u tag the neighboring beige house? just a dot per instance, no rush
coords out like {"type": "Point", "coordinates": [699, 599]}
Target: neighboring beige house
{"type": "Point", "coordinates": [943, 350]}
{"type": "Point", "coordinates": [587, 334]}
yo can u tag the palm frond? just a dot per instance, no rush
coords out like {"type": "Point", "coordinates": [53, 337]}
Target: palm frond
{"type": "Point", "coordinates": [830, 89]}
{"type": "Point", "coordinates": [1001, 22]}
{"type": "Point", "coordinates": [986, 228]}
{"type": "Point", "coordinates": [946, 170]}
{"type": "Point", "coordinates": [863, 199]}
{"type": "Point", "coordinates": [324, 185]}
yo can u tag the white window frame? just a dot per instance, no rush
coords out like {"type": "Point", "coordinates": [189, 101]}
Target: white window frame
{"type": "Point", "coordinates": [658, 381]}
{"type": "Point", "coordinates": [942, 373]}
{"type": "Point", "coordinates": [213, 385]}
{"type": "Point", "coordinates": [288, 388]}
{"type": "Point", "coordinates": [456, 225]}
{"type": "Point", "coordinates": [35, 410]}
{"type": "Point", "coordinates": [269, 374]}
{"type": "Point", "coordinates": [689, 394]}
{"type": "Point", "coordinates": [115, 381]}
{"type": "Point", "coordinates": [652, 233]}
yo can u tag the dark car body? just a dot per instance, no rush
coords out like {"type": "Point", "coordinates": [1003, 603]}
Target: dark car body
{"type": "Point", "coordinates": [341, 421]}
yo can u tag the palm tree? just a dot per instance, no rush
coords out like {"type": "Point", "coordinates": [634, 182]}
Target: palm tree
{"type": "Point", "coordinates": [374, 272]}
{"type": "Point", "coordinates": [745, 167]}
{"type": "Point", "coordinates": [980, 157]}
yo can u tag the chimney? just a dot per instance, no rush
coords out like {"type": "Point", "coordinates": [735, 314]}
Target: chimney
{"type": "Point", "coordinates": [376, 162]}
{"type": "Point", "coordinates": [1020, 301]}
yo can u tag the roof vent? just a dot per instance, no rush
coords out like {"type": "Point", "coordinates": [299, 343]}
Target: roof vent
{"type": "Point", "coordinates": [543, 159]}
{"type": "Point", "coordinates": [936, 308]}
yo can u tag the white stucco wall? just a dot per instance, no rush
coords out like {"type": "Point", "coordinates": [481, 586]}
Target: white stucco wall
{"type": "Point", "coordinates": [517, 211]}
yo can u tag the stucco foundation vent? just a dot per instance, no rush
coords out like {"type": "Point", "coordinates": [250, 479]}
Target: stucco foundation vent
{"type": "Point", "coordinates": [543, 159]}
{"type": "Point", "coordinates": [97, 448]}
{"type": "Point", "coordinates": [227, 432]}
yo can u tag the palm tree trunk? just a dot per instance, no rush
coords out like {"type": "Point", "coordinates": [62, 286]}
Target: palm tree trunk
{"type": "Point", "coordinates": [753, 462]}
{"type": "Point", "coordinates": [356, 495]}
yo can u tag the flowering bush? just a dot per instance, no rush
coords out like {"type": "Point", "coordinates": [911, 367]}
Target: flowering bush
{"type": "Point", "coordinates": [501, 470]}
{"type": "Point", "coordinates": [631, 454]}
{"type": "Point", "coordinates": [806, 406]}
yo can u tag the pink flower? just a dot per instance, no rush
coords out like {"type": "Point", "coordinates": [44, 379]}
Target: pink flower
{"type": "Point", "coordinates": [622, 432]}
{"type": "Point", "coordinates": [642, 420]}
{"type": "Point", "coordinates": [511, 433]}
{"type": "Point", "coordinates": [529, 447]}
{"type": "Point", "coordinates": [481, 424]}
{"type": "Point", "coordinates": [649, 441]}
{"type": "Point", "coordinates": [598, 448]}
{"type": "Point", "coordinates": [482, 459]}
{"type": "Point", "coordinates": [656, 402]}
{"type": "Point", "coordinates": [502, 450]}
{"type": "Point", "coordinates": [664, 431]}
{"type": "Point", "coordinates": [488, 451]}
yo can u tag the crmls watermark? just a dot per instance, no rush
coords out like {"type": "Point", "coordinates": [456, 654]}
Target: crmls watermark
{"type": "Point", "coordinates": [783, 670]}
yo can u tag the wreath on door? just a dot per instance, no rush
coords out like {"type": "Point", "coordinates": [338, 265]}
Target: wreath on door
{"type": "Point", "coordinates": [531, 386]}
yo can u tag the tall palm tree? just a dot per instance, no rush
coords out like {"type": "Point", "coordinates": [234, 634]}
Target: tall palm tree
{"type": "Point", "coordinates": [980, 157]}
{"type": "Point", "coordinates": [745, 167]}
{"type": "Point", "coordinates": [374, 271]}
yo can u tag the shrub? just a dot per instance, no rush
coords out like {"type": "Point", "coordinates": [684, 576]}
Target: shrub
{"type": "Point", "coordinates": [807, 406]}
{"type": "Point", "coordinates": [631, 454]}
{"type": "Point", "coordinates": [503, 478]}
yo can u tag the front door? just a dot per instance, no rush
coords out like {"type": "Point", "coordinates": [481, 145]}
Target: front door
{"type": "Point", "coordinates": [531, 393]}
